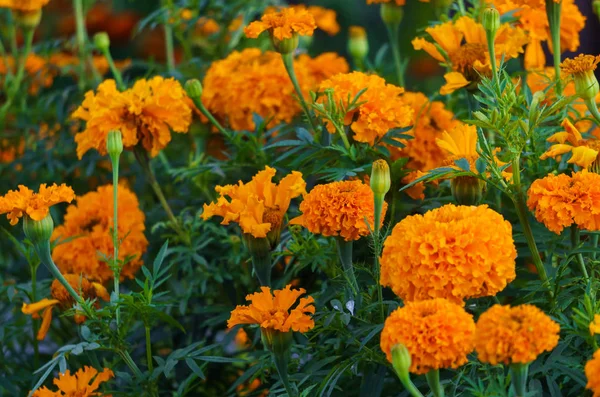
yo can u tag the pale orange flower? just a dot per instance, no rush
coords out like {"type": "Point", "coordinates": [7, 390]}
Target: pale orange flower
{"type": "Point", "coordinates": [35, 205]}
{"type": "Point", "coordinates": [78, 384]}
{"type": "Point", "coordinates": [283, 24]}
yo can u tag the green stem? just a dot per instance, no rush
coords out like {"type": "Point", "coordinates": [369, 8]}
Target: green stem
{"type": "Point", "coordinates": [113, 68]}
{"type": "Point", "coordinates": [130, 363]}
{"type": "Point", "coordinates": [433, 379]}
{"type": "Point", "coordinates": [519, 378]}
{"type": "Point", "coordinates": [410, 386]}
{"type": "Point", "coordinates": [553, 11]}
{"type": "Point", "coordinates": [115, 235]}
{"type": "Point", "coordinates": [288, 62]}
{"type": "Point", "coordinates": [260, 251]}
{"type": "Point", "coordinates": [169, 47]}
{"type": "Point", "coordinates": [393, 33]}
{"type": "Point", "coordinates": [81, 41]}
{"type": "Point", "coordinates": [345, 253]}
{"type": "Point", "coordinates": [35, 323]}
{"type": "Point", "coordinates": [16, 82]}
{"type": "Point", "coordinates": [491, 36]}
{"type": "Point", "coordinates": [149, 350]}
{"type": "Point", "coordinates": [211, 118]}
{"type": "Point", "coordinates": [379, 199]}
{"type": "Point", "coordinates": [595, 245]}
{"type": "Point", "coordinates": [591, 105]}
{"type": "Point", "coordinates": [575, 241]}
{"type": "Point", "coordinates": [461, 7]}
{"type": "Point", "coordinates": [281, 363]}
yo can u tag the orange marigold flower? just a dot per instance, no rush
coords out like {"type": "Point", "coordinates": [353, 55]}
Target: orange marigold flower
{"type": "Point", "coordinates": [443, 254]}
{"type": "Point", "coordinates": [581, 64]}
{"type": "Point", "coordinates": [595, 325]}
{"type": "Point", "coordinates": [63, 300]}
{"type": "Point", "coordinates": [283, 24]}
{"type": "Point", "coordinates": [437, 333]}
{"type": "Point", "coordinates": [252, 82]}
{"type": "Point", "coordinates": [470, 59]}
{"type": "Point", "coordinates": [398, 2]}
{"type": "Point", "coordinates": [514, 335]}
{"type": "Point", "coordinates": [145, 114]}
{"type": "Point", "coordinates": [23, 5]}
{"type": "Point", "coordinates": [259, 205]}
{"type": "Point", "coordinates": [339, 209]}
{"type": "Point", "coordinates": [274, 311]}
{"type": "Point", "coordinates": [383, 108]}
{"type": "Point", "coordinates": [206, 27]}
{"type": "Point", "coordinates": [584, 152]}
{"type": "Point", "coordinates": [77, 384]}
{"type": "Point", "coordinates": [36, 205]}
{"type": "Point", "coordinates": [87, 230]}
{"type": "Point", "coordinates": [560, 200]}
{"type": "Point", "coordinates": [592, 372]}
{"type": "Point", "coordinates": [325, 19]}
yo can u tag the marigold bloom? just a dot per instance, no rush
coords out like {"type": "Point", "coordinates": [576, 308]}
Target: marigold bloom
{"type": "Point", "coordinates": [592, 372]}
{"type": "Point", "coordinates": [382, 110]}
{"type": "Point", "coordinates": [206, 27]}
{"type": "Point", "coordinates": [595, 325]}
{"type": "Point", "coordinates": [252, 82]}
{"type": "Point", "coordinates": [145, 114]}
{"type": "Point", "coordinates": [469, 59]}
{"type": "Point", "coordinates": [259, 205]}
{"type": "Point", "coordinates": [584, 152]}
{"type": "Point", "coordinates": [325, 19]}
{"type": "Point", "coordinates": [582, 69]}
{"type": "Point", "coordinates": [339, 209]}
{"type": "Point", "coordinates": [561, 200]}
{"type": "Point", "coordinates": [36, 205]}
{"type": "Point", "coordinates": [77, 384]}
{"type": "Point", "coordinates": [274, 311]}
{"type": "Point", "coordinates": [283, 24]}
{"type": "Point", "coordinates": [24, 5]}
{"type": "Point", "coordinates": [514, 335]}
{"type": "Point", "coordinates": [63, 300]}
{"type": "Point", "coordinates": [437, 333]}
{"type": "Point", "coordinates": [444, 254]}
{"type": "Point", "coordinates": [87, 228]}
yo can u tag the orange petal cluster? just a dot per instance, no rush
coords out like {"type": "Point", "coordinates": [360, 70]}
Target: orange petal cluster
{"type": "Point", "coordinates": [437, 333]}
{"type": "Point", "coordinates": [23, 5]}
{"type": "Point", "coordinates": [560, 201]}
{"type": "Point", "coordinates": [259, 205]}
{"type": "Point", "coordinates": [325, 19]}
{"type": "Point", "coordinates": [383, 108]}
{"type": "Point", "coordinates": [339, 209]}
{"type": "Point", "coordinates": [592, 372]}
{"type": "Point", "coordinates": [252, 82]}
{"type": "Point", "coordinates": [283, 24]}
{"type": "Point", "coordinates": [77, 384]}
{"type": "Point", "coordinates": [17, 203]}
{"type": "Point", "coordinates": [517, 334]}
{"type": "Point", "coordinates": [581, 64]}
{"type": "Point", "coordinates": [445, 254]}
{"type": "Point", "coordinates": [145, 115]}
{"type": "Point", "coordinates": [274, 311]}
{"type": "Point", "coordinates": [584, 152]}
{"type": "Point", "coordinates": [87, 230]}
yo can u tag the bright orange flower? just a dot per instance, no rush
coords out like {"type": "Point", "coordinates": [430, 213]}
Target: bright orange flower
{"type": "Point", "coordinates": [325, 19]}
{"type": "Point", "coordinates": [443, 254]}
{"type": "Point", "coordinates": [383, 108]}
{"type": "Point", "coordinates": [339, 209]}
{"type": "Point", "coordinates": [23, 5]}
{"type": "Point", "coordinates": [63, 300]}
{"type": "Point", "coordinates": [584, 152]}
{"type": "Point", "coordinates": [77, 385]}
{"type": "Point", "coordinates": [36, 205]}
{"type": "Point", "coordinates": [398, 2]}
{"type": "Point", "coordinates": [259, 205]}
{"type": "Point", "coordinates": [517, 334]}
{"type": "Point", "coordinates": [283, 24]}
{"type": "Point", "coordinates": [470, 58]}
{"type": "Point", "coordinates": [581, 64]}
{"type": "Point", "coordinates": [595, 325]}
{"type": "Point", "coordinates": [86, 230]}
{"type": "Point", "coordinates": [206, 27]}
{"type": "Point", "coordinates": [145, 115]}
{"type": "Point", "coordinates": [592, 372]}
{"type": "Point", "coordinates": [437, 333]}
{"type": "Point", "coordinates": [274, 311]}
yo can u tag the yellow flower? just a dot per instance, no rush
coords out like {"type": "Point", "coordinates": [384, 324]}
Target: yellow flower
{"type": "Point", "coordinates": [443, 254]}
{"type": "Point", "coordinates": [23, 5]}
{"type": "Point", "coordinates": [595, 325]}
{"type": "Point", "coordinates": [437, 333]}
{"type": "Point", "coordinates": [259, 205]}
{"type": "Point", "coordinates": [78, 384]}
{"type": "Point", "coordinates": [514, 335]}
{"type": "Point", "coordinates": [592, 372]}
{"type": "Point", "coordinates": [470, 58]}
{"type": "Point", "coordinates": [62, 299]}
{"type": "Point", "coordinates": [36, 205]}
{"type": "Point", "coordinates": [584, 152]}
{"type": "Point", "coordinates": [274, 311]}
{"type": "Point", "coordinates": [582, 69]}
{"type": "Point", "coordinates": [283, 24]}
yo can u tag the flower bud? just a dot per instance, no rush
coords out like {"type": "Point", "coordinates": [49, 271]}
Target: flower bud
{"type": "Point", "coordinates": [114, 144]}
{"type": "Point", "coordinates": [586, 85]}
{"type": "Point", "coordinates": [27, 19]}
{"type": "Point", "coordinates": [358, 44]}
{"type": "Point", "coordinates": [401, 360]}
{"type": "Point", "coordinates": [102, 41]}
{"type": "Point", "coordinates": [286, 46]}
{"type": "Point", "coordinates": [260, 251]}
{"type": "Point", "coordinates": [193, 88]}
{"type": "Point", "coordinates": [467, 190]}
{"type": "Point", "coordinates": [380, 178]}
{"type": "Point", "coordinates": [276, 342]}
{"type": "Point", "coordinates": [391, 14]}
{"type": "Point", "coordinates": [491, 21]}
{"type": "Point", "coordinates": [38, 231]}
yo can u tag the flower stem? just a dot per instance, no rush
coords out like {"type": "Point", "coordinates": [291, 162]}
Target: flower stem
{"type": "Point", "coordinates": [260, 251]}
{"type": "Point", "coordinates": [519, 378]}
{"type": "Point", "coordinates": [591, 105]}
{"type": "Point", "coordinates": [393, 33]}
{"type": "Point", "coordinates": [16, 82]}
{"type": "Point", "coordinates": [36, 351]}
{"type": "Point", "coordinates": [553, 11]}
{"type": "Point", "coordinates": [345, 253]}
{"type": "Point", "coordinates": [81, 41]}
{"type": "Point", "coordinates": [410, 386]}
{"type": "Point", "coordinates": [433, 379]}
{"type": "Point", "coordinates": [492, 50]}
{"type": "Point", "coordinates": [595, 245]}
{"type": "Point", "coordinates": [149, 349]}
{"type": "Point", "coordinates": [113, 68]}
{"type": "Point", "coordinates": [288, 62]}
{"type": "Point", "coordinates": [575, 241]}
{"type": "Point", "coordinates": [379, 199]}
{"type": "Point", "coordinates": [130, 363]}
{"type": "Point", "coordinates": [169, 47]}
{"type": "Point", "coordinates": [281, 363]}
{"type": "Point", "coordinates": [115, 235]}
{"type": "Point", "coordinates": [211, 118]}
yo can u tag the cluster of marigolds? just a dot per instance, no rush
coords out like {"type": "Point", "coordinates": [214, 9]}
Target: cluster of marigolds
{"type": "Point", "coordinates": [433, 262]}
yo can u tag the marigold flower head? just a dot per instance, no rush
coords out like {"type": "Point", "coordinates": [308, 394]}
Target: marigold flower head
{"type": "Point", "coordinates": [339, 209]}
{"type": "Point", "coordinates": [77, 384]}
{"type": "Point", "coordinates": [252, 82]}
{"type": "Point", "coordinates": [584, 152]}
{"type": "Point", "coordinates": [87, 228]}
{"type": "Point", "coordinates": [437, 333]}
{"type": "Point", "coordinates": [444, 254]}
{"type": "Point", "coordinates": [561, 200]}
{"type": "Point", "coordinates": [581, 64]}
{"type": "Point", "coordinates": [259, 205]}
{"type": "Point", "coordinates": [595, 325]}
{"type": "Point", "coordinates": [36, 205]}
{"type": "Point", "coordinates": [283, 24]}
{"type": "Point", "coordinates": [592, 372]}
{"type": "Point", "coordinates": [24, 5]}
{"type": "Point", "coordinates": [274, 311]}
{"type": "Point", "coordinates": [63, 300]}
{"type": "Point", "coordinates": [325, 19]}
{"type": "Point", "coordinates": [470, 58]}
{"type": "Point", "coordinates": [206, 26]}
{"type": "Point", "coordinates": [582, 69]}
{"type": "Point", "coordinates": [514, 335]}
{"type": "Point", "coordinates": [382, 110]}
{"type": "Point", "coordinates": [145, 114]}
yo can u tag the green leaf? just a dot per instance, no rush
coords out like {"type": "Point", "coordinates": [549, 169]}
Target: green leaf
{"type": "Point", "coordinates": [194, 367]}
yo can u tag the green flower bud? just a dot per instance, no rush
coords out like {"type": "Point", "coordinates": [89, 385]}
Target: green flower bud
{"type": "Point", "coordinates": [401, 360]}
{"type": "Point", "coordinates": [467, 190]}
{"type": "Point", "coordinates": [491, 21]}
{"type": "Point", "coordinates": [260, 251]}
{"type": "Point", "coordinates": [586, 85]}
{"type": "Point", "coordinates": [277, 342]}
{"type": "Point", "coordinates": [114, 144]}
{"type": "Point", "coordinates": [286, 46]}
{"type": "Point", "coordinates": [358, 44]}
{"type": "Point", "coordinates": [102, 41]}
{"type": "Point", "coordinates": [391, 14]}
{"type": "Point", "coordinates": [193, 88]}
{"type": "Point", "coordinates": [380, 178]}
{"type": "Point", "coordinates": [38, 231]}
{"type": "Point", "coordinates": [27, 19]}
